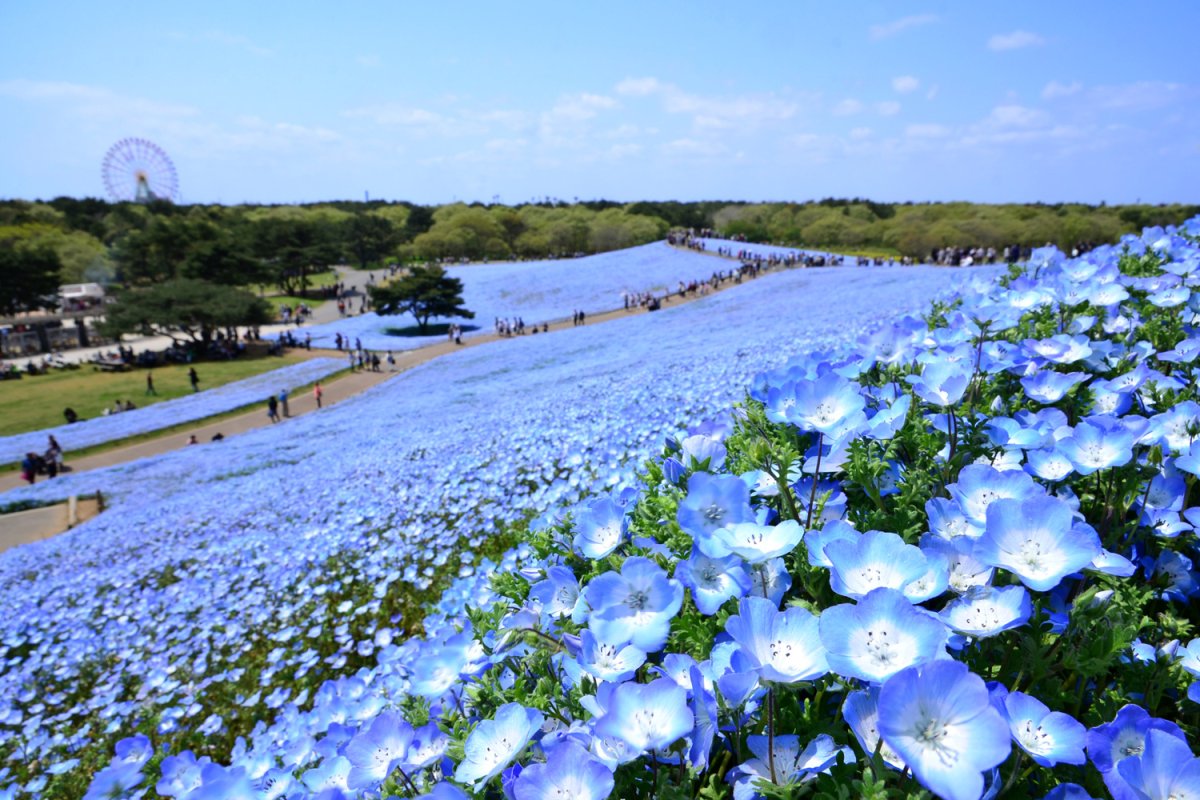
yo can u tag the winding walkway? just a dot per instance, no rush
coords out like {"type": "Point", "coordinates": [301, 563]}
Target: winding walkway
{"type": "Point", "coordinates": [334, 392]}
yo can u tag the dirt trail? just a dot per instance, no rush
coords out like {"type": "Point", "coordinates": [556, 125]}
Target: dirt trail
{"type": "Point", "coordinates": [334, 392]}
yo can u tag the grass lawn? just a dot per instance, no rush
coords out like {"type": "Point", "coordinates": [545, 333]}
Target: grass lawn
{"type": "Point", "coordinates": [37, 402]}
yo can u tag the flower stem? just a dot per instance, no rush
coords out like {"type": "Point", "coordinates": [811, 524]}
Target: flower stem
{"type": "Point", "coordinates": [812, 496]}
{"type": "Point", "coordinates": [771, 733]}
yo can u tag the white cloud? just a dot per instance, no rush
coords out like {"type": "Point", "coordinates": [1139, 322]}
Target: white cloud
{"type": "Point", "coordinates": [847, 107]}
{"type": "Point", "coordinates": [858, 134]}
{"type": "Point", "coordinates": [1140, 96]}
{"type": "Point", "coordinates": [888, 108]}
{"type": "Point", "coordinates": [712, 111]}
{"type": "Point", "coordinates": [927, 130]}
{"type": "Point", "coordinates": [889, 29]}
{"type": "Point", "coordinates": [1055, 89]}
{"type": "Point", "coordinates": [396, 114]}
{"type": "Point", "coordinates": [370, 60]}
{"type": "Point", "coordinates": [581, 106]}
{"type": "Point", "coordinates": [1014, 41]}
{"type": "Point", "coordinates": [932, 93]}
{"type": "Point", "coordinates": [624, 150]}
{"type": "Point", "coordinates": [94, 102]}
{"type": "Point", "coordinates": [1014, 116]}
{"type": "Point", "coordinates": [639, 87]}
{"type": "Point", "coordinates": [694, 147]}
{"type": "Point", "coordinates": [905, 84]}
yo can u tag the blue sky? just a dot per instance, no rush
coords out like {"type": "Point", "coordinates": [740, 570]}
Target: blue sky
{"type": "Point", "coordinates": [436, 102]}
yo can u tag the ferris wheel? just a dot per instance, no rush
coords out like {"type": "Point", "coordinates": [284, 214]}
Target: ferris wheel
{"type": "Point", "coordinates": [140, 171]}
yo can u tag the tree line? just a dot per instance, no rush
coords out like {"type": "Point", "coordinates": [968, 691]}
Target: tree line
{"type": "Point", "coordinates": [138, 246]}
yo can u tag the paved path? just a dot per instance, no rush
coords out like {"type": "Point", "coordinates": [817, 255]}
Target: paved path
{"type": "Point", "coordinates": [335, 391]}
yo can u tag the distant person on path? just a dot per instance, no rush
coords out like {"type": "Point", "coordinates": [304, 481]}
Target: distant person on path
{"type": "Point", "coordinates": [70, 415]}
{"type": "Point", "coordinates": [273, 409]}
{"type": "Point", "coordinates": [150, 384]}
{"type": "Point", "coordinates": [374, 362]}
{"type": "Point", "coordinates": [29, 467]}
{"type": "Point", "coordinates": [192, 439]}
{"type": "Point", "coordinates": [283, 403]}
{"type": "Point", "coordinates": [194, 378]}
{"type": "Point", "coordinates": [218, 437]}
{"type": "Point", "coordinates": [53, 457]}
{"type": "Point", "coordinates": [391, 359]}
{"type": "Point", "coordinates": [318, 393]}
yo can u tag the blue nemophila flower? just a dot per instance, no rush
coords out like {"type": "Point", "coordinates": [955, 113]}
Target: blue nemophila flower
{"type": "Point", "coordinates": [879, 636]}
{"type": "Point", "coordinates": [1049, 737]}
{"type": "Point", "coordinates": [940, 720]}
{"type": "Point", "coordinates": [608, 662]}
{"type": "Point", "coordinates": [876, 560]}
{"type": "Point", "coordinates": [569, 771]}
{"type": "Point", "coordinates": [116, 780]}
{"type": "Point", "coordinates": [712, 502]}
{"type": "Point", "coordinates": [332, 773]}
{"type": "Point", "coordinates": [941, 383]}
{"type": "Point", "coordinates": [494, 743]}
{"type": "Point", "coordinates": [1049, 465]}
{"type": "Point", "coordinates": [1036, 540]}
{"type": "Point", "coordinates": [985, 610]}
{"type": "Point", "coordinates": [947, 519]}
{"type": "Point", "coordinates": [599, 527]}
{"type": "Point", "coordinates": [1166, 770]}
{"type": "Point", "coordinates": [1047, 386]}
{"type": "Point", "coordinates": [980, 485]}
{"type": "Point", "coordinates": [1100, 442]}
{"type": "Point", "coordinates": [701, 452]}
{"type": "Point", "coordinates": [771, 580]}
{"type": "Point", "coordinates": [1190, 461]}
{"type": "Point", "coordinates": [1060, 349]}
{"type": "Point", "coordinates": [792, 765]}
{"type": "Point", "coordinates": [704, 710]}
{"type": "Point", "coordinates": [785, 646]}
{"type": "Point", "coordinates": [558, 593]}
{"type": "Point", "coordinates": [712, 581]}
{"type": "Point", "coordinates": [826, 404]}
{"type": "Point", "coordinates": [758, 543]}
{"type": "Point", "coordinates": [861, 712]}
{"type": "Point", "coordinates": [635, 605]}
{"type": "Point", "coordinates": [646, 717]}
{"type": "Point", "coordinates": [1125, 737]}
{"type": "Point", "coordinates": [815, 540]}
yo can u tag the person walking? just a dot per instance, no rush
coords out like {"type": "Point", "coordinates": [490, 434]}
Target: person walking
{"type": "Point", "coordinates": [273, 408]}
{"type": "Point", "coordinates": [150, 384]}
{"type": "Point", "coordinates": [194, 379]}
{"type": "Point", "coordinates": [318, 393]}
{"type": "Point", "coordinates": [283, 403]}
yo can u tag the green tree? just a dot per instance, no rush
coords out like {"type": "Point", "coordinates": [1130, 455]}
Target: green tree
{"type": "Point", "coordinates": [185, 309]}
{"type": "Point", "coordinates": [28, 276]}
{"type": "Point", "coordinates": [296, 247]}
{"type": "Point", "coordinates": [368, 237]}
{"type": "Point", "coordinates": [424, 292]}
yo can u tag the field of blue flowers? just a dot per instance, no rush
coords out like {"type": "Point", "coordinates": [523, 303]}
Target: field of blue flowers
{"type": "Point", "coordinates": [942, 554]}
{"type": "Point", "coordinates": [190, 408]}
{"type": "Point", "coordinates": [540, 291]}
